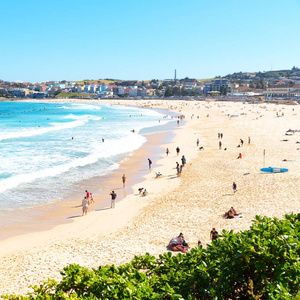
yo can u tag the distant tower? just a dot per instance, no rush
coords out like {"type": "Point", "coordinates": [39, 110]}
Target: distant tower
{"type": "Point", "coordinates": [175, 76]}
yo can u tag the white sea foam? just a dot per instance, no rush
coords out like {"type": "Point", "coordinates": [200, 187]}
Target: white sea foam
{"type": "Point", "coordinates": [31, 167]}
{"type": "Point", "coordinates": [85, 106]}
{"type": "Point", "coordinates": [83, 117]}
{"type": "Point", "coordinates": [101, 151]}
{"type": "Point", "coordinates": [32, 131]}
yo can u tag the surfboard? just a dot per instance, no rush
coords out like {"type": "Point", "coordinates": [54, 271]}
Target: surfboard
{"type": "Point", "coordinates": [274, 170]}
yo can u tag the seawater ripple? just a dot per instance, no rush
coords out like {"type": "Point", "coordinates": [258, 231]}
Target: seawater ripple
{"type": "Point", "coordinates": [47, 149]}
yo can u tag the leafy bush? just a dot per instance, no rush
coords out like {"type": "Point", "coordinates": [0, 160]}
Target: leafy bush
{"type": "Point", "coordinates": [259, 263]}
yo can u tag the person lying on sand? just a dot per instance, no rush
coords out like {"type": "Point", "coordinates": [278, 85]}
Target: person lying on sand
{"type": "Point", "coordinates": [158, 174]}
{"type": "Point", "coordinates": [179, 244]}
{"type": "Point", "coordinates": [201, 148]}
{"type": "Point", "coordinates": [232, 213]}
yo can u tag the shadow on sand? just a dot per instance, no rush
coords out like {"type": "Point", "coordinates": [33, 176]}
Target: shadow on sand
{"type": "Point", "coordinates": [100, 209]}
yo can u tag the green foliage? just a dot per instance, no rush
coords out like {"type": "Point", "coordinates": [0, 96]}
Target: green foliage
{"type": "Point", "coordinates": [73, 95]}
{"type": "Point", "coordinates": [259, 263]}
{"type": "Point", "coordinates": [5, 94]}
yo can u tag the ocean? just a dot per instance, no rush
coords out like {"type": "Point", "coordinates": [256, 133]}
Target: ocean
{"type": "Point", "coordinates": [49, 149]}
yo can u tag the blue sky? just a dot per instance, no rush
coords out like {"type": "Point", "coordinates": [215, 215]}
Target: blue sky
{"type": "Point", "coordinates": [131, 39]}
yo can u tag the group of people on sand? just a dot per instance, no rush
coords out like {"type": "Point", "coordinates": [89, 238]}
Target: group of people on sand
{"type": "Point", "coordinates": [179, 243]}
{"type": "Point", "coordinates": [143, 192]}
{"type": "Point", "coordinates": [180, 167]}
{"type": "Point", "coordinates": [86, 201]}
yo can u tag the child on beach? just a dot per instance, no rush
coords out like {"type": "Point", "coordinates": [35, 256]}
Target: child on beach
{"type": "Point", "coordinates": [234, 187]}
{"type": "Point", "coordinates": [84, 206]}
{"type": "Point", "coordinates": [91, 199]}
{"type": "Point", "coordinates": [158, 174]}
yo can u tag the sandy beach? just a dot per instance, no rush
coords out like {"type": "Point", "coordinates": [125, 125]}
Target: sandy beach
{"type": "Point", "coordinates": [192, 203]}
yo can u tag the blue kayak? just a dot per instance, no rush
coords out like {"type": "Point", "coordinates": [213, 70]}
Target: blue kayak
{"type": "Point", "coordinates": [274, 170]}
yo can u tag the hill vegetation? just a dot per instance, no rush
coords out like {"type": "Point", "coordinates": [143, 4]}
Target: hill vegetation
{"type": "Point", "coordinates": [5, 94]}
{"type": "Point", "coordinates": [268, 74]}
{"type": "Point", "coordinates": [73, 95]}
{"type": "Point", "coordinates": [259, 263]}
{"type": "Point", "coordinates": [97, 82]}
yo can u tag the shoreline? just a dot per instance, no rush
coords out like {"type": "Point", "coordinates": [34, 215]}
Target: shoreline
{"type": "Point", "coordinates": [192, 204]}
{"type": "Point", "coordinates": [46, 216]}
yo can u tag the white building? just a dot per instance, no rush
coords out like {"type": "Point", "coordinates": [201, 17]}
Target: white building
{"type": "Point", "coordinates": [121, 90]}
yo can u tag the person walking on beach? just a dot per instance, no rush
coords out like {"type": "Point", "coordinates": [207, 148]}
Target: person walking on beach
{"type": "Point", "coordinates": [150, 163]}
{"type": "Point", "coordinates": [177, 151]}
{"type": "Point", "coordinates": [183, 160]}
{"type": "Point", "coordinates": [220, 145]}
{"type": "Point", "coordinates": [84, 206]}
{"type": "Point", "coordinates": [123, 179]}
{"type": "Point", "coordinates": [113, 199]}
{"type": "Point", "coordinates": [249, 140]}
{"type": "Point", "coordinates": [242, 142]}
{"type": "Point", "coordinates": [198, 142]}
{"type": "Point", "coordinates": [91, 199]}
{"type": "Point", "coordinates": [234, 187]}
{"type": "Point", "coordinates": [221, 135]}
{"type": "Point", "coordinates": [87, 195]}
{"type": "Point", "coordinates": [167, 151]}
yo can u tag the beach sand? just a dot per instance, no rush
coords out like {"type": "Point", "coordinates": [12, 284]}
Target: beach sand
{"type": "Point", "coordinates": [192, 204]}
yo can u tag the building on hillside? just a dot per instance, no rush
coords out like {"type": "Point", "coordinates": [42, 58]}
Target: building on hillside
{"type": "Point", "coordinates": [37, 95]}
{"type": "Point", "coordinates": [283, 91]}
{"type": "Point", "coordinates": [220, 85]}
{"type": "Point", "coordinates": [86, 88]}
{"type": "Point", "coordinates": [18, 92]}
{"type": "Point", "coordinates": [121, 91]}
{"type": "Point", "coordinates": [188, 82]}
{"type": "Point", "coordinates": [133, 93]}
{"type": "Point", "coordinates": [245, 91]}
{"type": "Point", "coordinates": [127, 91]}
{"type": "Point", "coordinates": [207, 88]}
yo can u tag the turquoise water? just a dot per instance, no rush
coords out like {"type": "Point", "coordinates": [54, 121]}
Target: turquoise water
{"type": "Point", "coordinates": [48, 149]}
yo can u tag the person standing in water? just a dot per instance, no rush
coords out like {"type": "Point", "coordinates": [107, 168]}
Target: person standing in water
{"type": "Point", "coordinates": [113, 199]}
{"type": "Point", "coordinates": [150, 163]}
{"type": "Point", "coordinates": [84, 206]}
{"type": "Point", "coordinates": [123, 179]}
